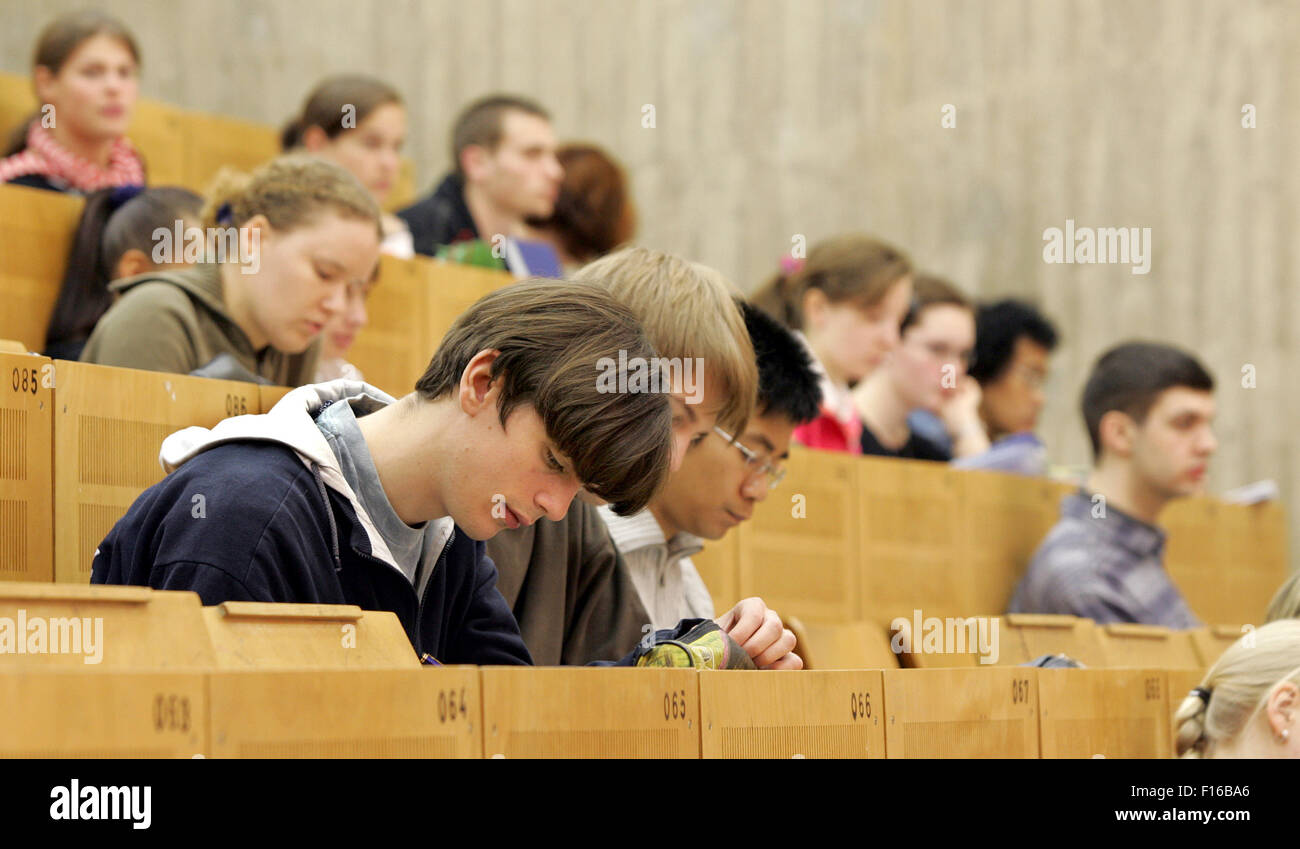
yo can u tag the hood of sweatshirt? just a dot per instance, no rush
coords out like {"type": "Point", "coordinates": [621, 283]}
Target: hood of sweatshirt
{"type": "Point", "coordinates": [291, 423]}
{"type": "Point", "coordinates": [202, 282]}
{"type": "Point", "coordinates": [218, 331]}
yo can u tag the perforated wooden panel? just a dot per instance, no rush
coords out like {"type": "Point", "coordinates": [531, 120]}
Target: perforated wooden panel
{"type": "Point", "coordinates": [811, 714]}
{"type": "Point", "coordinates": [26, 468]}
{"type": "Point", "coordinates": [961, 713]}
{"type": "Point", "coordinates": [67, 626]}
{"type": "Point", "coordinates": [37, 228]}
{"type": "Point", "coordinates": [799, 551]}
{"type": "Point", "coordinates": [1112, 713]}
{"type": "Point", "coordinates": [102, 714]}
{"type": "Point", "coordinates": [427, 712]}
{"type": "Point", "coordinates": [109, 424]}
{"type": "Point", "coordinates": [392, 350]}
{"type": "Point", "coordinates": [590, 713]}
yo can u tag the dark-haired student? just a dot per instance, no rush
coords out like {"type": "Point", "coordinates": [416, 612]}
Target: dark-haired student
{"type": "Point", "coordinates": [504, 170]}
{"type": "Point", "coordinates": [294, 237]}
{"type": "Point", "coordinates": [1148, 409]}
{"type": "Point", "coordinates": [85, 74]}
{"type": "Point", "coordinates": [1013, 342]}
{"type": "Point", "coordinates": [343, 495]}
{"type": "Point", "coordinates": [721, 480]}
{"type": "Point", "coordinates": [115, 239]}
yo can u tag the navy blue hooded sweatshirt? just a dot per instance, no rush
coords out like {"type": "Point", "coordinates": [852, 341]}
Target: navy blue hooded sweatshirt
{"type": "Point", "coordinates": [256, 509]}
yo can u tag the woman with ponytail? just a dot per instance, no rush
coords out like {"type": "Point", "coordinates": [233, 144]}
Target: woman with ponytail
{"type": "Point", "coordinates": [846, 301]}
{"type": "Point", "coordinates": [114, 240]}
{"type": "Point", "coordinates": [1248, 704]}
{"type": "Point", "coordinates": [85, 77]}
{"type": "Point", "coordinates": [357, 122]}
{"type": "Point", "coordinates": [282, 248]}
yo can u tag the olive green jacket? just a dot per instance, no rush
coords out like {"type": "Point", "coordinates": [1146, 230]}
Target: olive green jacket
{"type": "Point", "coordinates": [176, 321]}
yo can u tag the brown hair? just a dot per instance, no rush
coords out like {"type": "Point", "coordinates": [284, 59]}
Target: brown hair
{"type": "Point", "coordinates": [113, 221]}
{"type": "Point", "coordinates": [326, 104]}
{"type": "Point", "coordinates": [480, 123]}
{"type": "Point", "coordinates": [552, 337]}
{"type": "Point", "coordinates": [593, 213]}
{"type": "Point", "coordinates": [57, 42]}
{"type": "Point", "coordinates": [852, 268]}
{"type": "Point", "coordinates": [688, 310]}
{"type": "Point", "coordinates": [290, 191]}
{"type": "Point", "coordinates": [930, 291]}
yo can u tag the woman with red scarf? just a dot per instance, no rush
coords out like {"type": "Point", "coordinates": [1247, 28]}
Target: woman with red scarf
{"type": "Point", "coordinates": [85, 74]}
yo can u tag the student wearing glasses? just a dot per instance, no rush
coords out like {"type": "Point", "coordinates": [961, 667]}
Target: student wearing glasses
{"type": "Point", "coordinates": [927, 371]}
{"type": "Point", "coordinates": [720, 481]}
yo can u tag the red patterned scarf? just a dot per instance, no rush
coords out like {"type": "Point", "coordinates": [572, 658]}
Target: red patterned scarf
{"type": "Point", "coordinates": [46, 157]}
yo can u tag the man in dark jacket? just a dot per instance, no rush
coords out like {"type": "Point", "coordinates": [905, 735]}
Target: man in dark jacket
{"type": "Point", "coordinates": [505, 170]}
{"type": "Point", "coordinates": [341, 494]}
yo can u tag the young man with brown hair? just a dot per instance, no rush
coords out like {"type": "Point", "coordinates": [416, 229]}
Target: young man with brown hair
{"type": "Point", "coordinates": [567, 583]}
{"type": "Point", "coordinates": [504, 169]}
{"type": "Point", "coordinates": [1149, 410]}
{"type": "Point", "coordinates": [343, 495]}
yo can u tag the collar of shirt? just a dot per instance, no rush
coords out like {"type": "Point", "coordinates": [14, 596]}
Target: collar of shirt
{"type": "Point", "coordinates": [1133, 535]}
{"type": "Point", "coordinates": [641, 530]}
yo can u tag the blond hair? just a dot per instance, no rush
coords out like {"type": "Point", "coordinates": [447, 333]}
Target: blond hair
{"type": "Point", "coordinates": [1286, 604]}
{"type": "Point", "coordinates": [688, 311]}
{"type": "Point", "coordinates": [1237, 687]}
{"type": "Point", "coordinates": [851, 268]}
{"type": "Point", "coordinates": [291, 191]}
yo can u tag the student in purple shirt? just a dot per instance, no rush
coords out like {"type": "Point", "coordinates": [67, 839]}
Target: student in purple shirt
{"type": "Point", "coordinates": [1148, 409]}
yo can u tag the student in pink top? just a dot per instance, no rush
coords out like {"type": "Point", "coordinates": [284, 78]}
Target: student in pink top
{"type": "Point", "coordinates": [846, 300]}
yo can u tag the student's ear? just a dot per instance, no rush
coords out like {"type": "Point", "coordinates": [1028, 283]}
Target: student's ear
{"type": "Point", "coordinates": [42, 83]}
{"type": "Point", "coordinates": [474, 161]}
{"type": "Point", "coordinates": [1282, 705]}
{"type": "Point", "coordinates": [477, 392]}
{"type": "Point", "coordinates": [260, 233]}
{"type": "Point", "coordinates": [815, 304]}
{"type": "Point", "coordinates": [1118, 432]}
{"type": "Point", "coordinates": [131, 263]}
{"type": "Point", "coordinates": [314, 139]}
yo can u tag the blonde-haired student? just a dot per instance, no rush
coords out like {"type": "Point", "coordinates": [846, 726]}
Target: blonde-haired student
{"type": "Point", "coordinates": [1248, 704]}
